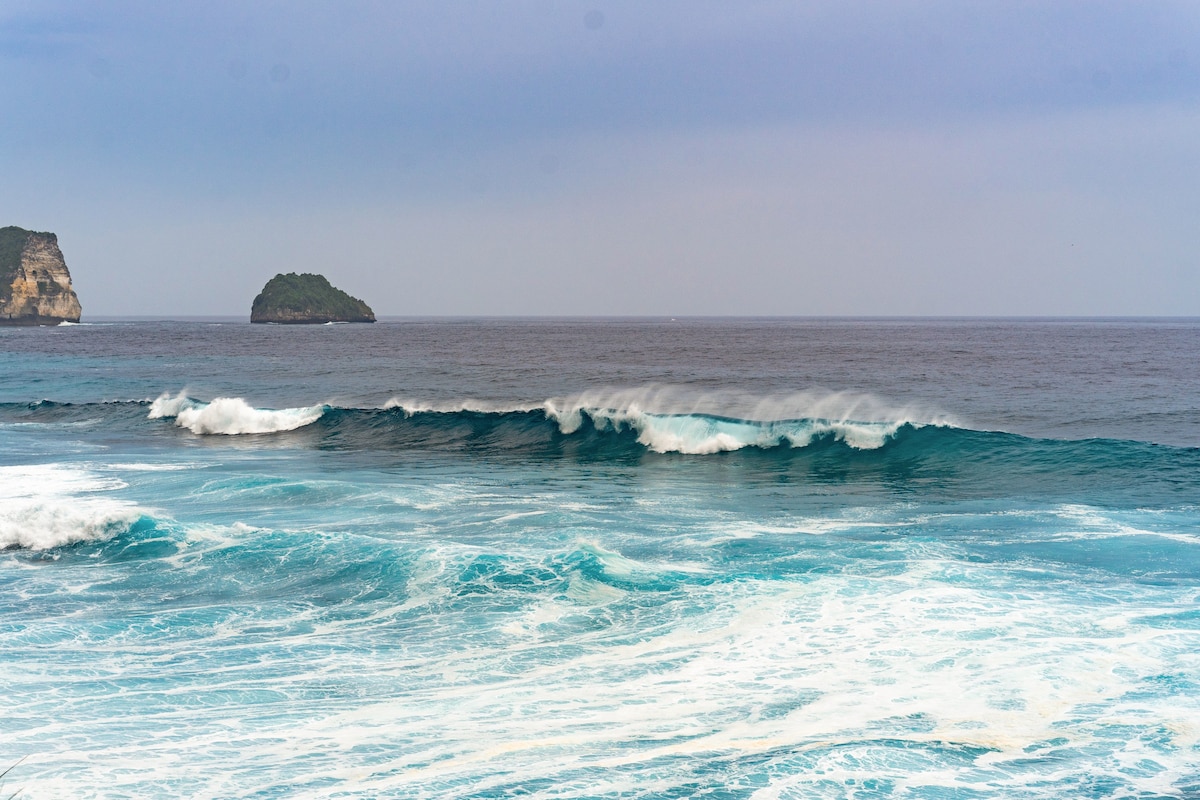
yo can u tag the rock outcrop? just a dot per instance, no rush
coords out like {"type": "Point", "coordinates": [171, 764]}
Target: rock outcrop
{"type": "Point", "coordinates": [35, 286]}
{"type": "Point", "coordinates": [306, 299]}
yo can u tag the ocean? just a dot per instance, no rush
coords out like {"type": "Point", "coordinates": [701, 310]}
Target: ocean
{"type": "Point", "coordinates": [601, 558]}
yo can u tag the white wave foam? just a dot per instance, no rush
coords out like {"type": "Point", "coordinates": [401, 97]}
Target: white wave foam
{"type": "Point", "coordinates": [670, 419]}
{"type": "Point", "coordinates": [48, 506]}
{"type": "Point", "coordinates": [166, 406]}
{"type": "Point", "coordinates": [700, 435]}
{"type": "Point", "coordinates": [411, 406]}
{"type": "Point", "coordinates": [231, 415]}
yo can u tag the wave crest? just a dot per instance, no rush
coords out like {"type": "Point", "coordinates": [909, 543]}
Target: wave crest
{"type": "Point", "coordinates": [411, 407]}
{"type": "Point", "coordinates": [231, 415]}
{"type": "Point", "coordinates": [676, 420]}
{"type": "Point", "coordinates": [694, 434]}
{"type": "Point", "coordinates": [661, 419]}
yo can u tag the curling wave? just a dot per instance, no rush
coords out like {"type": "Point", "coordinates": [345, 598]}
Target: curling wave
{"type": "Point", "coordinates": [697, 434]}
{"type": "Point", "coordinates": [670, 420]}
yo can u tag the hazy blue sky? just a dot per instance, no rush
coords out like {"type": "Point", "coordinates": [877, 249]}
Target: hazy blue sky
{"type": "Point", "coordinates": [612, 158]}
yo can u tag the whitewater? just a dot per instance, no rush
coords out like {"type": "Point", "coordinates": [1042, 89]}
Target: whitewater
{"type": "Point", "coordinates": [601, 558]}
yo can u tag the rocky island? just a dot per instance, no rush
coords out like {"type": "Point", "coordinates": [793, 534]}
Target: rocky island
{"type": "Point", "coordinates": [35, 286]}
{"type": "Point", "coordinates": [293, 299]}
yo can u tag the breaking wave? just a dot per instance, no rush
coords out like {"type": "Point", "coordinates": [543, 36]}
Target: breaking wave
{"type": "Point", "coordinates": [825, 436]}
{"type": "Point", "coordinates": [231, 415]}
{"type": "Point", "coordinates": [696, 434]}
{"type": "Point", "coordinates": [48, 506]}
{"type": "Point", "coordinates": [669, 420]}
{"type": "Point", "coordinates": [660, 420]}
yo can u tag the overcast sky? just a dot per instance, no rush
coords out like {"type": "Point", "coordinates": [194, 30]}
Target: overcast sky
{"type": "Point", "coordinates": [654, 157]}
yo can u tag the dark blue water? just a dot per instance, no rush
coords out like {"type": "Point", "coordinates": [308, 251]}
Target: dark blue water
{"type": "Point", "coordinates": [601, 558]}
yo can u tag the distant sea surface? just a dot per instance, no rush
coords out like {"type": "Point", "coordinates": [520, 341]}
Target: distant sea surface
{"type": "Point", "coordinates": [601, 558]}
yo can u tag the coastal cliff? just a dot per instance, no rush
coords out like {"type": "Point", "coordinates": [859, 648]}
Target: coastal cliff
{"type": "Point", "coordinates": [306, 299]}
{"type": "Point", "coordinates": [35, 286]}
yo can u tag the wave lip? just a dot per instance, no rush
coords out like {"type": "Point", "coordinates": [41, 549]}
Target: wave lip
{"type": "Point", "coordinates": [411, 407]}
{"type": "Point", "coordinates": [231, 415]}
{"type": "Point", "coordinates": [669, 419]}
{"type": "Point", "coordinates": [49, 506]}
{"type": "Point", "coordinates": [693, 434]}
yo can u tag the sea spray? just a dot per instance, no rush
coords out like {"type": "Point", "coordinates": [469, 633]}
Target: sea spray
{"type": "Point", "coordinates": [231, 415]}
{"type": "Point", "coordinates": [49, 506]}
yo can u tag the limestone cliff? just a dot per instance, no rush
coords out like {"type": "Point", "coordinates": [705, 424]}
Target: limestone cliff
{"type": "Point", "coordinates": [35, 286]}
{"type": "Point", "coordinates": [293, 299]}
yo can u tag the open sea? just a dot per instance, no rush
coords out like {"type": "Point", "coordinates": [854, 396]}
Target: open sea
{"type": "Point", "coordinates": [601, 558]}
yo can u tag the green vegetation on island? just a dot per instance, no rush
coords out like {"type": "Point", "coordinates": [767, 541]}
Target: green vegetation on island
{"type": "Point", "coordinates": [297, 299]}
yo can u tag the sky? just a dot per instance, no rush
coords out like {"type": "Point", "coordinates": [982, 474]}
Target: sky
{"type": "Point", "coordinates": [556, 158]}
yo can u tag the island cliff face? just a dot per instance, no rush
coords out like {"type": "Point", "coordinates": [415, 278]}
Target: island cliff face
{"type": "Point", "coordinates": [306, 299]}
{"type": "Point", "coordinates": [35, 286]}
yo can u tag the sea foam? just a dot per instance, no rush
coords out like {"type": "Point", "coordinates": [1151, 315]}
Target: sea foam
{"type": "Point", "coordinates": [48, 506]}
{"type": "Point", "coordinates": [411, 407]}
{"type": "Point", "coordinates": [231, 415]}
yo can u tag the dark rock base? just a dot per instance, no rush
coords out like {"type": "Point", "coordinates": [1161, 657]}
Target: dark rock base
{"type": "Point", "coordinates": [32, 322]}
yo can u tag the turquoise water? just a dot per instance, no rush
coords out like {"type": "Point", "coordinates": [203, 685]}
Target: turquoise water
{"type": "Point", "coordinates": [589, 558]}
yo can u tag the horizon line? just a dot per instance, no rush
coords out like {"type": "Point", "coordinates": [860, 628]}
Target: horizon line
{"type": "Point", "coordinates": [666, 317]}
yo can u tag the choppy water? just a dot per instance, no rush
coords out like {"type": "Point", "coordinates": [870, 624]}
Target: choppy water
{"type": "Point", "coordinates": [601, 558]}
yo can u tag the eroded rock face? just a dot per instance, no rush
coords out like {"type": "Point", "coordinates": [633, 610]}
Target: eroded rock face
{"type": "Point", "coordinates": [35, 286]}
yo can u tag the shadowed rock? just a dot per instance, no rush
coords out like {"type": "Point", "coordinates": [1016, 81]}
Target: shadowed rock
{"type": "Point", "coordinates": [35, 286]}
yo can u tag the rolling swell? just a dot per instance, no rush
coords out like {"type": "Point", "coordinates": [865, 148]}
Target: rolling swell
{"type": "Point", "coordinates": [926, 461]}
{"type": "Point", "coordinates": [914, 455]}
{"type": "Point", "coordinates": [900, 458]}
{"type": "Point", "coordinates": [601, 434]}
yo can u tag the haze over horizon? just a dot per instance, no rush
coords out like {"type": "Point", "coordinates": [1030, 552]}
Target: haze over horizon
{"type": "Point", "coordinates": [910, 158]}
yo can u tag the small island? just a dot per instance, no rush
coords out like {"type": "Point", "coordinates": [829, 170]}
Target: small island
{"type": "Point", "coordinates": [306, 299]}
{"type": "Point", "coordinates": [35, 286]}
